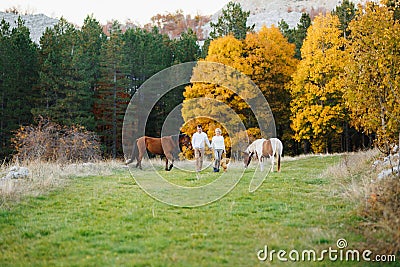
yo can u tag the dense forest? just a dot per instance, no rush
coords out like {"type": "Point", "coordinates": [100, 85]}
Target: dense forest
{"type": "Point", "coordinates": [333, 83]}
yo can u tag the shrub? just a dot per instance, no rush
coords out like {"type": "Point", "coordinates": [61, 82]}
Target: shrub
{"type": "Point", "coordinates": [51, 142]}
{"type": "Point", "coordinates": [377, 201]}
{"type": "Point", "coordinates": [382, 212]}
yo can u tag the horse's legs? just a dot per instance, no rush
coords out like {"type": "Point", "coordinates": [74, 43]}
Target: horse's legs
{"type": "Point", "coordinates": [261, 160]}
{"type": "Point", "coordinates": [166, 164]}
{"type": "Point", "coordinates": [139, 162]}
{"type": "Point", "coordinates": [172, 164]}
{"type": "Point", "coordinates": [141, 145]}
{"type": "Point", "coordinates": [272, 162]}
{"type": "Point", "coordinates": [171, 158]}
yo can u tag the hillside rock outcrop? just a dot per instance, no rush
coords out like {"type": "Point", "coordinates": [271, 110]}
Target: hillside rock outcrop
{"type": "Point", "coordinates": [36, 24]}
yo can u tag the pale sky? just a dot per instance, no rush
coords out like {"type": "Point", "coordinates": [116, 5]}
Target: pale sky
{"type": "Point", "coordinates": [75, 11]}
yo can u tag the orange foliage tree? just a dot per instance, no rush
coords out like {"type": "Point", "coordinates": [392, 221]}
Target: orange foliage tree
{"type": "Point", "coordinates": [174, 24]}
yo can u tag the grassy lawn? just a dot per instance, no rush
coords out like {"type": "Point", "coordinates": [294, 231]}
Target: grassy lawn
{"type": "Point", "coordinates": [110, 221]}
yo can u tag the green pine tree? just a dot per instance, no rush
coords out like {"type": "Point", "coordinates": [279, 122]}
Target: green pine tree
{"type": "Point", "coordinates": [186, 49]}
{"type": "Point", "coordinates": [296, 35]}
{"type": "Point", "coordinates": [146, 53]}
{"type": "Point", "coordinates": [65, 86]}
{"type": "Point", "coordinates": [18, 74]}
{"type": "Point", "coordinates": [112, 95]}
{"type": "Point", "coordinates": [87, 61]}
{"type": "Point", "coordinates": [232, 21]}
{"type": "Point", "coordinates": [346, 13]}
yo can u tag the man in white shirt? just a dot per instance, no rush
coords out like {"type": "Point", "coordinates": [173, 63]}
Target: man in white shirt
{"type": "Point", "coordinates": [199, 139]}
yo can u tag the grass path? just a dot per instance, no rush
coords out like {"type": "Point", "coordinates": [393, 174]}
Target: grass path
{"type": "Point", "coordinates": [110, 221]}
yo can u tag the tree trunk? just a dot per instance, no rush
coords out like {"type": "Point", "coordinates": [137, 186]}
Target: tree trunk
{"type": "Point", "coordinates": [114, 119]}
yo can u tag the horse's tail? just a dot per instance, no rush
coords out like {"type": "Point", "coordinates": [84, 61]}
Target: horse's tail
{"type": "Point", "coordinates": [250, 156]}
{"type": "Point", "coordinates": [135, 153]}
{"type": "Point", "coordinates": [279, 152]}
{"type": "Point", "coordinates": [279, 162]}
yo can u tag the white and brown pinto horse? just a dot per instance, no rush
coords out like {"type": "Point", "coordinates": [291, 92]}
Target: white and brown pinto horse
{"type": "Point", "coordinates": [264, 148]}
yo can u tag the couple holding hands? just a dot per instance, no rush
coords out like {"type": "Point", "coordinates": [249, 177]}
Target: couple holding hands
{"type": "Point", "coordinates": [199, 140]}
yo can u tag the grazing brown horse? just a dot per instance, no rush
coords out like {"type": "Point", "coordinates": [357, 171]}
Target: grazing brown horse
{"type": "Point", "coordinates": [167, 146]}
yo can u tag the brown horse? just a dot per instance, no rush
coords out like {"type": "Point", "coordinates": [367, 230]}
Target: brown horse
{"type": "Point", "coordinates": [167, 146]}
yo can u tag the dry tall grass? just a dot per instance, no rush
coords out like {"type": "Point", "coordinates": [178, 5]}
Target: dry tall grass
{"type": "Point", "coordinates": [44, 176]}
{"type": "Point", "coordinates": [377, 201]}
{"type": "Point", "coordinates": [353, 175]}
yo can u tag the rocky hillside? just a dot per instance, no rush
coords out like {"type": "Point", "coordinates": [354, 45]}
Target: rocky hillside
{"type": "Point", "coordinates": [262, 12]}
{"type": "Point", "coordinates": [37, 24]}
{"type": "Point", "coordinates": [268, 12]}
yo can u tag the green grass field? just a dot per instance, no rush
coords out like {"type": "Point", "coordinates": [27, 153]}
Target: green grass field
{"type": "Point", "coordinates": [110, 221]}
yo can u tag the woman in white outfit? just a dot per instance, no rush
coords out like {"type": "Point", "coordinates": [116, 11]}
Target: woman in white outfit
{"type": "Point", "coordinates": [218, 144]}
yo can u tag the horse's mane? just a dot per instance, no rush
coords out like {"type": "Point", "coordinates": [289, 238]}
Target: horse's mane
{"type": "Point", "coordinates": [176, 137]}
{"type": "Point", "coordinates": [253, 146]}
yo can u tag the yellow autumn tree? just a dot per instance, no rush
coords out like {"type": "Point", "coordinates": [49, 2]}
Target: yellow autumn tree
{"type": "Point", "coordinates": [317, 107]}
{"type": "Point", "coordinates": [267, 59]}
{"type": "Point", "coordinates": [372, 73]}
{"type": "Point", "coordinates": [223, 50]}
{"type": "Point", "coordinates": [270, 63]}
